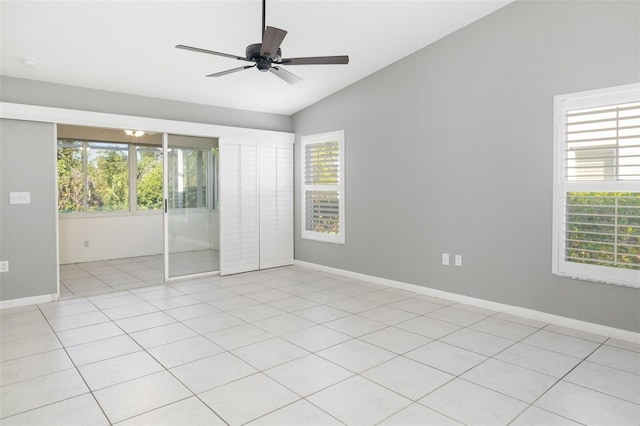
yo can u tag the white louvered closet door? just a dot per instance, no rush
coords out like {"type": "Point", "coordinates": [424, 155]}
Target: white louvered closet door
{"type": "Point", "coordinates": [276, 204]}
{"type": "Point", "coordinates": [239, 229]}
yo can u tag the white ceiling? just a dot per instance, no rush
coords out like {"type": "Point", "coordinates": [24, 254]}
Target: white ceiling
{"type": "Point", "coordinates": [128, 46]}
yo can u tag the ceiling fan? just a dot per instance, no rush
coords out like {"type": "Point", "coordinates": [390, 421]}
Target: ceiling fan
{"type": "Point", "coordinates": [267, 56]}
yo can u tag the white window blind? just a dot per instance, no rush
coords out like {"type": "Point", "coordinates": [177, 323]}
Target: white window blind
{"type": "Point", "coordinates": [323, 187]}
{"type": "Point", "coordinates": [597, 191]}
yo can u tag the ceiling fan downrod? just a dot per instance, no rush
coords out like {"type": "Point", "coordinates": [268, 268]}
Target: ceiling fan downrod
{"type": "Point", "coordinates": [264, 17]}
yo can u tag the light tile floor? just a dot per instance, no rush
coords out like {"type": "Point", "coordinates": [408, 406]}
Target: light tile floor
{"type": "Point", "coordinates": [293, 346]}
{"type": "Point", "coordinates": [105, 276]}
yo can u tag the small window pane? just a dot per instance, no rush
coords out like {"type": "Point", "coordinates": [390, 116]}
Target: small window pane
{"type": "Point", "coordinates": [322, 211]}
{"type": "Point", "coordinates": [322, 163]}
{"type": "Point", "coordinates": [70, 177]}
{"type": "Point", "coordinates": [603, 229]}
{"type": "Point", "coordinates": [603, 144]}
{"type": "Point", "coordinates": [149, 178]}
{"type": "Point", "coordinates": [107, 177]}
{"type": "Point", "coordinates": [187, 178]}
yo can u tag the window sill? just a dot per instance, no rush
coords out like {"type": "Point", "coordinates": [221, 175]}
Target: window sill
{"type": "Point", "coordinates": [324, 238]}
{"type": "Point", "coordinates": [619, 283]}
{"type": "Point", "coordinates": [68, 216]}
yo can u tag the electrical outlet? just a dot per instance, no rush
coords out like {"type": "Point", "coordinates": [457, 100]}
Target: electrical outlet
{"type": "Point", "coordinates": [4, 266]}
{"type": "Point", "coordinates": [458, 260]}
{"type": "Point", "coordinates": [445, 259]}
{"type": "Point", "coordinates": [19, 198]}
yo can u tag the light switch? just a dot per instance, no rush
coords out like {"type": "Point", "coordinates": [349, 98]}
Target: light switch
{"type": "Point", "coordinates": [19, 198]}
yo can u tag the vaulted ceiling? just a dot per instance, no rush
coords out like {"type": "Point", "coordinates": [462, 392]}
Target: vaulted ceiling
{"type": "Point", "coordinates": [128, 46]}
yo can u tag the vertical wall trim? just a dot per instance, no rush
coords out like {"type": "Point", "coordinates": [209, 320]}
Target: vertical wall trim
{"type": "Point", "coordinates": [56, 213]}
{"type": "Point", "coordinates": [165, 200]}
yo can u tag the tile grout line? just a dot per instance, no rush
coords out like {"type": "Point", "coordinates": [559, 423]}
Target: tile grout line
{"type": "Point", "coordinates": [279, 336]}
{"type": "Point", "coordinates": [532, 404]}
{"type": "Point", "coordinates": [77, 370]}
{"type": "Point", "coordinates": [193, 394]}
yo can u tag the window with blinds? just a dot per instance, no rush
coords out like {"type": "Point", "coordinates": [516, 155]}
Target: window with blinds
{"type": "Point", "coordinates": [597, 186]}
{"type": "Point", "coordinates": [323, 187]}
{"type": "Point", "coordinates": [603, 143]}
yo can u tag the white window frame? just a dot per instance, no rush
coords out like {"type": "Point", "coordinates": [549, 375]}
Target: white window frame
{"type": "Point", "coordinates": [562, 104]}
{"type": "Point", "coordinates": [132, 161]}
{"type": "Point", "coordinates": [334, 136]}
{"type": "Point", "coordinates": [131, 185]}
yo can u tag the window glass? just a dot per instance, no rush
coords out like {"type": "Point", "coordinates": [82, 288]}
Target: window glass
{"type": "Point", "coordinates": [107, 174]}
{"type": "Point", "coordinates": [603, 228]}
{"type": "Point", "coordinates": [187, 178]}
{"type": "Point", "coordinates": [322, 212]}
{"type": "Point", "coordinates": [70, 176]}
{"type": "Point", "coordinates": [149, 178]}
{"type": "Point", "coordinates": [92, 176]}
{"type": "Point", "coordinates": [95, 177]}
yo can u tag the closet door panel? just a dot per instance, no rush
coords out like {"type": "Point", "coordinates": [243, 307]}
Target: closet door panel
{"type": "Point", "coordinates": [239, 227]}
{"type": "Point", "coordinates": [276, 204]}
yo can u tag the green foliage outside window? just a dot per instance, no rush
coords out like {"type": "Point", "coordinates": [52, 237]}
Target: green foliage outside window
{"type": "Point", "coordinates": [603, 228]}
{"type": "Point", "coordinates": [94, 177]}
{"type": "Point", "coordinates": [107, 177]}
{"type": "Point", "coordinates": [149, 178]}
{"type": "Point", "coordinates": [70, 177]}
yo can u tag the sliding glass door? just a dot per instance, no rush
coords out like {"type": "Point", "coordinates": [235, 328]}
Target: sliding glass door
{"type": "Point", "coordinates": [191, 211]}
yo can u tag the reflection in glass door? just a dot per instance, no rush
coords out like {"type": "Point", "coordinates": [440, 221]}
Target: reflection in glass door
{"type": "Point", "coordinates": [191, 211]}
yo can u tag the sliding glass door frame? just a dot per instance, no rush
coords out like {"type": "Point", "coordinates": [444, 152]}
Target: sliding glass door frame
{"type": "Point", "coordinates": [205, 198]}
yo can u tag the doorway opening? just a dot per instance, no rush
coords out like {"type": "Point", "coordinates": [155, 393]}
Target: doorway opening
{"type": "Point", "coordinates": [192, 219]}
{"type": "Point", "coordinates": [116, 231]}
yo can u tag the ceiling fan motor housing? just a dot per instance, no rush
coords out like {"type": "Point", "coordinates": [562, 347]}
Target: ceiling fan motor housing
{"type": "Point", "coordinates": [263, 64]}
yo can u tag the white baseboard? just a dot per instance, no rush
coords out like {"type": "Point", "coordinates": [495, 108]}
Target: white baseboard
{"type": "Point", "coordinates": [24, 301]}
{"type": "Point", "coordinates": [584, 326]}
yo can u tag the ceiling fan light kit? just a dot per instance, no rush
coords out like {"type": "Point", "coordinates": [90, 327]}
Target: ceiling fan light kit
{"type": "Point", "coordinates": [266, 56]}
{"type": "Point", "coordinates": [135, 133]}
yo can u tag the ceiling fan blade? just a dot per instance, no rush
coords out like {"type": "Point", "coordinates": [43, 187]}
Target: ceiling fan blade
{"type": "Point", "coordinates": [317, 60]}
{"type": "Point", "coordinates": [211, 52]}
{"type": "Point", "coordinates": [286, 75]}
{"type": "Point", "coordinates": [271, 41]}
{"type": "Point", "coordinates": [231, 71]}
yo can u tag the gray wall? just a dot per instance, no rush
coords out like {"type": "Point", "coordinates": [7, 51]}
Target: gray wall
{"type": "Point", "coordinates": [21, 91]}
{"type": "Point", "coordinates": [28, 231]}
{"type": "Point", "coordinates": [450, 150]}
